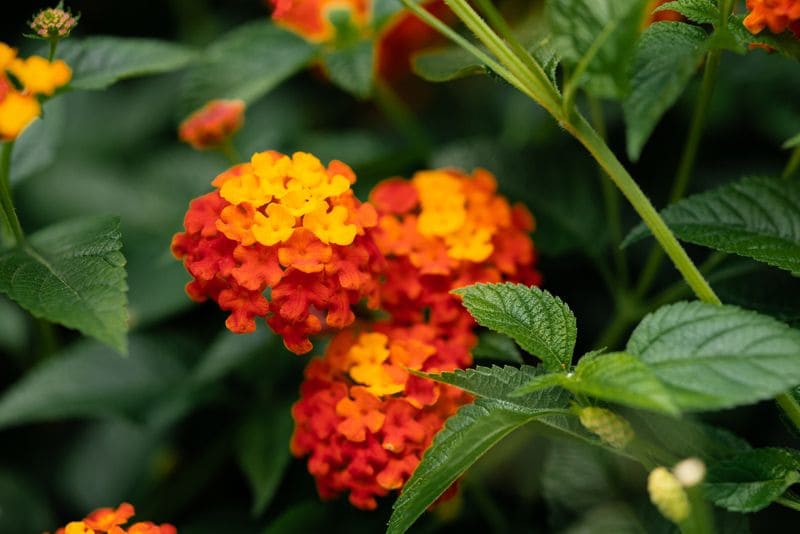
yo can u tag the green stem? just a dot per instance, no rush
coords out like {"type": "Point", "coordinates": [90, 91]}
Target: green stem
{"type": "Point", "coordinates": [610, 199]}
{"type": "Point", "coordinates": [790, 407]}
{"type": "Point", "coordinates": [700, 520]}
{"type": "Point", "coordinates": [687, 162]}
{"type": "Point", "coordinates": [53, 46]}
{"type": "Point", "coordinates": [792, 164]}
{"type": "Point", "coordinates": [229, 151]}
{"type": "Point", "coordinates": [5, 193]}
{"type": "Point", "coordinates": [584, 133]}
{"type": "Point", "coordinates": [403, 119]}
{"type": "Point", "coordinates": [788, 503]}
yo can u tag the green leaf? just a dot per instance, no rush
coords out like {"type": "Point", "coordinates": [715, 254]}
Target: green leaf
{"type": "Point", "coordinates": [616, 377]}
{"type": "Point", "coordinates": [246, 63]}
{"type": "Point", "coordinates": [36, 148]}
{"type": "Point", "coordinates": [72, 273]}
{"type": "Point", "coordinates": [712, 357]}
{"type": "Point", "coordinates": [447, 64]}
{"type": "Point", "coordinates": [539, 322]}
{"type": "Point", "coordinates": [666, 57]}
{"type": "Point", "coordinates": [497, 347]}
{"type": "Point", "coordinates": [700, 11]}
{"type": "Point", "coordinates": [792, 142]}
{"type": "Point", "coordinates": [752, 480]}
{"type": "Point", "coordinates": [352, 67]}
{"type": "Point", "coordinates": [87, 380]}
{"type": "Point", "coordinates": [603, 31]}
{"type": "Point", "coordinates": [263, 454]}
{"type": "Point", "coordinates": [100, 61]}
{"type": "Point", "coordinates": [759, 287]}
{"type": "Point", "coordinates": [754, 217]}
{"type": "Point", "coordinates": [466, 436]}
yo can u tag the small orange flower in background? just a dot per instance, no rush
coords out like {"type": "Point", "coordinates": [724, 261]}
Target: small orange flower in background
{"type": "Point", "coordinates": [668, 15]}
{"type": "Point", "coordinates": [289, 224]}
{"type": "Point", "coordinates": [777, 15]}
{"type": "Point", "coordinates": [444, 229]}
{"type": "Point", "coordinates": [112, 521]}
{"type": "Point", "coordinates": [37, 76]}
{"type": "Point", "coordinates": [363, 420]}
{"type": "Point", "coordinates": [212, 125]}
{"type": "Point", "coordinates": [311, 18]}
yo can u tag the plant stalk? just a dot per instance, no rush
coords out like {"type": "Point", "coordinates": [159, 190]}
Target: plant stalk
{"type": "Point", "coordinates": [5, 193]}
{"type": "Point", "coordinates": [790, 407]}
{"type": "Point", "coordinates": [792, 164]}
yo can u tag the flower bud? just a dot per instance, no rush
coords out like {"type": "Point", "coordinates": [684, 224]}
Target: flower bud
{"type": "Point", "coordinates": [668, 495]}
{"type": "Point", "coordinates": [610, 427]}
{"type": "Point", "coordinates": [690, 472]}
{"type": "Point", "coordinates": [54, 23]}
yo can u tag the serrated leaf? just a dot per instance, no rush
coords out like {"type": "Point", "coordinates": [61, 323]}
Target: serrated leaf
{"type": "Point", "coordinates": [712, 357]}
{"type": "Point", "coordinates": [752, 480]}
{"type": "Point", "coordinates": [245, 63]}
{"type": "Point", "coordinates": [352, 67]}
{"type": "Point", "coordinates": [700, 11]}
{"type": "Point", "coordinates": [88, 380]}
{"type": "Point", "coordinates": [539, 322]}
{"type": "Point", "coordinates": [72, 273]}
{"type": "Point", "coordinates": [263, 455]}
{"type": "Point", "coordinates": [616, 377]}
{"type": "Point", "coordinates": [466, 436]}
{"type": "Point", "coordinates": [605, 28]}
{"type": "Point", "coordinates": [100, 61]}
{"type": "Point", "coordinates": [666, 57]}
{"type": "Point", "coordinates": [493, 346]}
{"type": "Point", "coordinates": [754, 217]}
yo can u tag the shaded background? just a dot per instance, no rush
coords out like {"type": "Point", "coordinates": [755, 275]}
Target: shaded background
{"type": "Point", "coordinates": [173, 425]}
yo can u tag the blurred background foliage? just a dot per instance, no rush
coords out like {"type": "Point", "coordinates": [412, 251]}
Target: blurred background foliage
{"type": "Point", "coordinates": [193, 426]}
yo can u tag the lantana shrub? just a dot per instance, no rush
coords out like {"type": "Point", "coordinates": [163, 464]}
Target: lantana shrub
{"type": "Point", "coordinates": [325, 268]}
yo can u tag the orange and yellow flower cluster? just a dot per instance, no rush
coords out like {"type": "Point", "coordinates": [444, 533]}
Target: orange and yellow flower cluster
{"type": "Point", "coordinates": [212, 125]}
{"type": "Point", "coordinates": [363, 419]}
{"type": "Point", "coordinates": [777, 15]}
{"type": "Point", "coordinates": [289, 224]}
{"type": "Point", "coordinates": [442, 230]}
{"type": "Point", "coordinates": [111, 521]}
{"type": "Point", "coordinates": [34, 76]}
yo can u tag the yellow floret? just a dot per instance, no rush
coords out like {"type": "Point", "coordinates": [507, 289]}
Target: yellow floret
{"type": "Point", "coordinates": [277, 226]}
{"type": "Point", "coordinates": [16, 113]}
{"type": "Point", "coordinates": [331, 227]}
{"type": "Point", "coordinates": [40, 76]}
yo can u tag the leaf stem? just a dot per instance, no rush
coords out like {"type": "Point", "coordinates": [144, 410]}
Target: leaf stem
{"type": "Point", "coordinates": [700, 520]}
{"type": "Point", "coordinates": [788, 503]}
{"type": "Point", "coordinates": [792, 164]}
{"type": "Point", "coordinates": [5, 193]}
{"type": "Point", "coordinates": [790, 407]}
{"type": "Point", "coordinates": [687, 162]}
{"type": "Point", "coordinates": [53, 46]}
{"type": "Point", "coordinates": [229, 151]}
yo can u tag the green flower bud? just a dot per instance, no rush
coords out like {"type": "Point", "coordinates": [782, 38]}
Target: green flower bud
{"type": "Point", "coordinates": [668, 495]}
{"type": "Point", "coordinates": [54, 23]}
{"type": "Point", "coordinates": [610, 427]}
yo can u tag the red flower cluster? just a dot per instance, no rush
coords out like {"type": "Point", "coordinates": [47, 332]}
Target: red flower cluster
{"type": "Point", "coordinates": [443, 230]}
{"type": "Point", "coordinates": [290, 225]}
{"type": "Point", "coordinates": [110, 520]}
{"type": "Point", "coordinates": [363, 419]}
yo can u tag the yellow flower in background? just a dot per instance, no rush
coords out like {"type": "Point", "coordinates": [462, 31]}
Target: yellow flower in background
{"type": "Point", "coordinates": [19, 106]}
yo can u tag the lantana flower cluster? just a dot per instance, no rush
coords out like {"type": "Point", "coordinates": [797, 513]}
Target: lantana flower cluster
{"type": "Point", "coordinates": [777, 15]}
{"type": "Point", "coordinates": [290, 225]}
{"type": "Point", "coordinates": [30, 78]}
{"type": "Point", "coordinates": [363, 419]}
{"type": "Point", "coordinates": [112, 521]}
{"type": "Point", "coordinates": [365, 416]}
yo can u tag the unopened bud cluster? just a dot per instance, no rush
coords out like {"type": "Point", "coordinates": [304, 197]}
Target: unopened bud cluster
{"type": "Point", "coordinates": [667, 488]}
{"type": "Point", "coordinates": [610, 427]}
{"type": "Point", "coordinates": [54, 22]}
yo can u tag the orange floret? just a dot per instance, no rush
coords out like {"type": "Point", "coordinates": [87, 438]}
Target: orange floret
{"type": "Point", "coordinates": [212, 125]}
{"type": "Point", "coordinates": [112, 521]}
{"type": "Point", "coordinates": [442, 230]}
{"type": "Point", "coordinates": [288, 224]}
{"type": "Point", "coordinates": [364, 438]}
{"type": "Point", "coordinates": [777, 15]}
